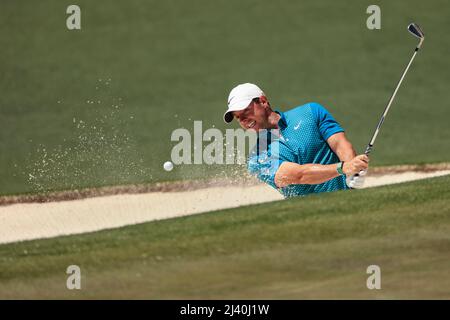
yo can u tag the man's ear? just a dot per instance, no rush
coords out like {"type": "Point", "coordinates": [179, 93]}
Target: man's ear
{"type": "Point", "coordinates": [263, 100]}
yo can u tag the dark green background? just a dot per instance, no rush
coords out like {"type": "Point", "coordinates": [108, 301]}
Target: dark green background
{"type": "Point", "coordinates": [172, 62]}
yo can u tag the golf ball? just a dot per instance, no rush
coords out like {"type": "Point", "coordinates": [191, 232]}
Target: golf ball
{"type": "Point", "coordinates": [168, 166]}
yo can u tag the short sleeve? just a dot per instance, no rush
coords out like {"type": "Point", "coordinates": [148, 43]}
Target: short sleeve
{"type": "Point", "coordinates": [325, 121]}
{"type": "Point", "coordinates": [265, 164]}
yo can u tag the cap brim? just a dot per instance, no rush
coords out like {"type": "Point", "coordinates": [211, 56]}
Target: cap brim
{"type": "Point", "coordinates": [241, 105]}
{"type": "Point", "coordinates": [228, 116]}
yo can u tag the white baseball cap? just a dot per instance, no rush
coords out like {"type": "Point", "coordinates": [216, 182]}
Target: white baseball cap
{"type": "Point", "coordinates": [240, 98]}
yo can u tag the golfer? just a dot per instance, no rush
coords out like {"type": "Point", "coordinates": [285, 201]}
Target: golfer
{"type": "Point", "coordinates": [306, 150]}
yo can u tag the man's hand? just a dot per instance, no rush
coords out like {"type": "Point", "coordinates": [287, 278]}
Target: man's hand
{"type": "Point", "coordinates": [356, 181]}
{"type": "Point", "coordinates": [357, 164]}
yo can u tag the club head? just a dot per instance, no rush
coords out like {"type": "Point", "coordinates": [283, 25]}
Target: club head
{"type": "Point", "coordinates": [416, 31]}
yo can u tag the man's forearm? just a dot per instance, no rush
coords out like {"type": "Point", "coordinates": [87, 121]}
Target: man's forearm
{"type": "Point", "coordinates": [294, 173]}
{"type": "Point", "coordinates": [345, 151]}
{"type": "Point", "coordinates": [317, 173]}
{"type": "Point", "coordinates": [341, 146]}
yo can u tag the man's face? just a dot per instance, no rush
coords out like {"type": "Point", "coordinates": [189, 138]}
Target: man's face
{"type": "Point", "coordinates": [255, 116]}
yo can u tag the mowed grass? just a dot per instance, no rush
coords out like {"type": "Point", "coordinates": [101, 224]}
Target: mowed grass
{"type": "Point", "coordinates": [314, 247]}
{"type": "Point", "coordinates": [164, 64]}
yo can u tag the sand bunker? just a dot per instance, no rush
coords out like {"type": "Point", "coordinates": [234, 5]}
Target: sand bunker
{"type": "Point", "coordinates": [27, 221]}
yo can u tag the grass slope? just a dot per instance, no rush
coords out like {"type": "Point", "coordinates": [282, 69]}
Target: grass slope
{"type": "Point", "coordinates": [172, 62]}
{"type": "Point", "coordinates": [314, 247]}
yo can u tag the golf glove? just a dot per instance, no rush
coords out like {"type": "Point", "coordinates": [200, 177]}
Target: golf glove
{"type": "Point", "coordinates": [356, 181]}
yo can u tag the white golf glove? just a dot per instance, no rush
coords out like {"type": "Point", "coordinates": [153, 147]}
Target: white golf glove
{"type": "Point", "coordinates": [356, 181]}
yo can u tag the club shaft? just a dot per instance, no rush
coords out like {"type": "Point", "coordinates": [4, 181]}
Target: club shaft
{"type": "Point", "coordinates": [388, 106]}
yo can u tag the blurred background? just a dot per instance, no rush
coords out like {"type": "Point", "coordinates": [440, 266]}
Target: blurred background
{"type": "Point", "coordinates": [97, 106]}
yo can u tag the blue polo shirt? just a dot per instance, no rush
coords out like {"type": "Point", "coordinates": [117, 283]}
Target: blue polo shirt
{"type": "Point", "coordinates": [301, 138]}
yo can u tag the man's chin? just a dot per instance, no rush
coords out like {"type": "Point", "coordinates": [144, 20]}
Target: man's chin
{"type": "Point", "coordinates": [256, 128]}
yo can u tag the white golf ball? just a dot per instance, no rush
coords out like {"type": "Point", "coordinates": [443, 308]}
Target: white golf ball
{"type": "Point", "coordinates": [168, 166]}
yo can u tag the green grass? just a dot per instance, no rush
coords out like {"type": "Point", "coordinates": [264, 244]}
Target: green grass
{"type": "Point", "coordinates": [172, 62]}
{"type": "Point", "coordinates": [314, 247]}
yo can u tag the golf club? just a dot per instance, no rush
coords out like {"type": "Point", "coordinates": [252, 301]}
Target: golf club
{"type": "Point", "coordinates": [415, 30]}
